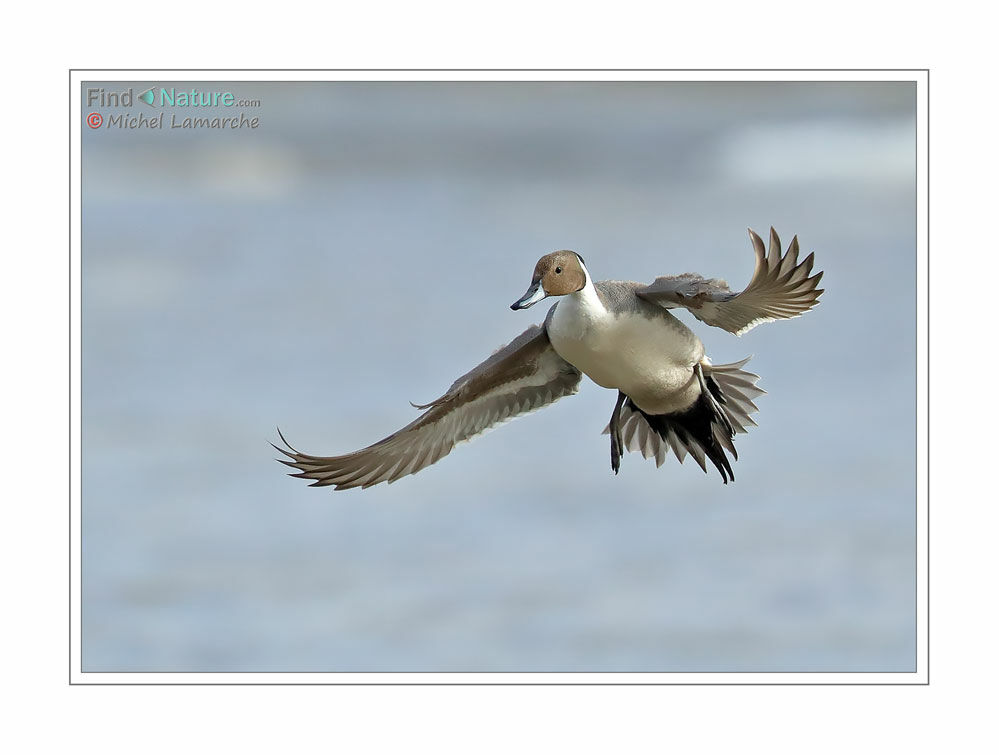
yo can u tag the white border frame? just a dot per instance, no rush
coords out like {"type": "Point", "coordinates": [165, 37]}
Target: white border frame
{"type": "Point", "coordinates": [76, 124]}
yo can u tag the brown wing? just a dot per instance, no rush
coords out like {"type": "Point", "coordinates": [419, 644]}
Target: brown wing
{"type": "Point", "coordinates": [781, 288]}
{"type": "Point", "coordinates": [520, 377]}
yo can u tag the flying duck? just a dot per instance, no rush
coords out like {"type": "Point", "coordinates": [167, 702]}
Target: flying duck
{"type": "Point", "coordinates": [621, 335]}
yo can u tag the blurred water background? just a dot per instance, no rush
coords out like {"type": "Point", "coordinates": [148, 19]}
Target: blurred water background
{"type": "Point", "coordinates": [359, 250]}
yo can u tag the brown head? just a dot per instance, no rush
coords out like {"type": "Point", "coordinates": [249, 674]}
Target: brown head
{"type": "Point", "coordinates": [556, 274]}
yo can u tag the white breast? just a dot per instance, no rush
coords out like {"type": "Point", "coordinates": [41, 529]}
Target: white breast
{"type": "Point", "coordinates": [650, 359]}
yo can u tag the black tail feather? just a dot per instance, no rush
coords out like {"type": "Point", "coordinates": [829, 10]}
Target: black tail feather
{"type": "Point", "coordinates": [697, 424]}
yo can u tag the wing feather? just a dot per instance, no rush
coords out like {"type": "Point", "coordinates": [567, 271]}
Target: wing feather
{"type": "Point", "coordinates": [519, 378]}
{"type": "Point", "coordinates": [781, 288]}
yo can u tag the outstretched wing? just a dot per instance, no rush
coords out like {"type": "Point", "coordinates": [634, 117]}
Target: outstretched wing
{"type": "Point", "coordinates": [520, 377]}
{"type": "Point", "coordinates": [781, 288]}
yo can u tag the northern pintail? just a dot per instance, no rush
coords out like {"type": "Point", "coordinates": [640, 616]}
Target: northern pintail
{"type": "Point", "coordinates": [623, 337]}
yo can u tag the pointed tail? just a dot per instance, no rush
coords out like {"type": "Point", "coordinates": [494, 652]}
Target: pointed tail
{"type": "Point", "coordinates": [706, 429]}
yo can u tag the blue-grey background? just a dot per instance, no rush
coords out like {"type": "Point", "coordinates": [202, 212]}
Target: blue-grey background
{"type": "Point", "coordinates": [360, 249]}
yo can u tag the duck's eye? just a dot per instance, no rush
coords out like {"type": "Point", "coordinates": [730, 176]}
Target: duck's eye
{"type": "Point", "coordinates": [558, 271]}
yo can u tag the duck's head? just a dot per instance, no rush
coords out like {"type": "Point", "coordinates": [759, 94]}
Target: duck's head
{"type": "Point", "coordinates": [556, 274]}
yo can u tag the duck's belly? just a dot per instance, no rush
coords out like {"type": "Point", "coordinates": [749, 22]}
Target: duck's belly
{"type": "Point", "coordinates": [650, 359]}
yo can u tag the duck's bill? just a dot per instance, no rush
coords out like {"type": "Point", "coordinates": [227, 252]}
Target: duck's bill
{"type": "Point", "coordinates": [534, 294]}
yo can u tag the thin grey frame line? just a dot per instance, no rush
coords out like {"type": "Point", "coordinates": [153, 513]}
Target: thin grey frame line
{"type": "Point", "coordinates": [71, 682]}
{"type": "Point", "coordinates": [479, 70]}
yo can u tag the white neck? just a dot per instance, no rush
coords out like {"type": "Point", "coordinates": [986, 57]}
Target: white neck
{"type": "Point", "coordinates": [577, 314]}
{"type": "Point", "coordinates": [586, 298]}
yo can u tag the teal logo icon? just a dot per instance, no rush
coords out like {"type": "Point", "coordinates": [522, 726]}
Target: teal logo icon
{"type": "Point", "coordinates": [148, 97]}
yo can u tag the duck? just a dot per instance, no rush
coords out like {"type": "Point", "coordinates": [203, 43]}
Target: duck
{"type": "Point", "coordinates": [624, 337]}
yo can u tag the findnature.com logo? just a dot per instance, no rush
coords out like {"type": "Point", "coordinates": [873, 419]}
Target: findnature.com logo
{"type": "Point", "coordinates": [163, 97]}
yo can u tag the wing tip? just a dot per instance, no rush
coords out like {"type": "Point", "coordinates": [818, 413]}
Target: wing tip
{"type": "Point", "coordinates": [287, 444]}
